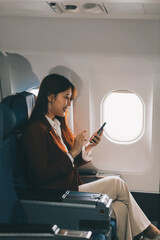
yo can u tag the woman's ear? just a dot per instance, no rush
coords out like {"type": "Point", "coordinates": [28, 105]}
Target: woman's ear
{"type": "Point", "coordinates": [51, 97]}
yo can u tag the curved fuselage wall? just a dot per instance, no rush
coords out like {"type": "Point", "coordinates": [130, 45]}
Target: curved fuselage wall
{"type": "Point", "coordinates": [99, 56]}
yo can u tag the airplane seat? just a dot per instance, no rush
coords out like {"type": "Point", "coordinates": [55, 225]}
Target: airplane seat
{"type": "Point", "coordinates": [1, 124]}
{"type": "Point", "coordinates": [22, 105]}
{"type": "Point", "coordinates": [10, 208]}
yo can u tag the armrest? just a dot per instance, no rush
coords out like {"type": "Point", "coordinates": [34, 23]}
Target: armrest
{"type": "Point", "coordinates": [93, 175]}
{"type": "Point", "coordinates": [67, 210]}
{"type": "Point", "coordinates": [87, 172]}
{"type": "Point", "coordinates": [45, 206]}
{"type": "Point", "coordinates": [38, 231]}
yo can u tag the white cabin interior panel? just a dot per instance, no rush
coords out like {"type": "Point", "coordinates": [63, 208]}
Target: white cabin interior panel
{"type": "Point", "coordinates": [99, 56]}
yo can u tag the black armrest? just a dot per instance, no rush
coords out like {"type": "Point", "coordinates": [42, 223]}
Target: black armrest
{"type": "Point", "coordinates": [83, 172]}
{"type": "Point", "coordinates": [38, 231]}
{"type": "Point", "coordinates": [49, 206]}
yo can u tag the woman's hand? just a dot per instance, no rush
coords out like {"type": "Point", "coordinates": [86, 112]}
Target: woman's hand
{"type": "Point", "coordinates": [78, 144]}
{"type": "Point", "coordinates": [93, 141]}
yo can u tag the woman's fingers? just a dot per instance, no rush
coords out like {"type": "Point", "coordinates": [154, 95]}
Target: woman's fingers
{"type": "Point", "coordinates": [81, 137]}
{"type": "Point", "coordinates": [78, 143]}
{"type": "Point", "coordinates": [95, 139]}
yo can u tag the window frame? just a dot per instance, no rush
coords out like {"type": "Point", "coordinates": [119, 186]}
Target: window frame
{"type": "Point", "coordinates": [110, 138]}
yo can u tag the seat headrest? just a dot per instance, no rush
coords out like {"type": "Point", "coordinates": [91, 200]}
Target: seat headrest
{"type": "Point", "coordinates": [9, 120]}
{"type": "Point", "coordinates": [1, 122]}
{"type": "Point", "coordinates": [22, 105]}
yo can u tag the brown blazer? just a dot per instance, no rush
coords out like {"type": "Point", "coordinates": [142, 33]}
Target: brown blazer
{"type": "Point", "coordinates": [47, 165]}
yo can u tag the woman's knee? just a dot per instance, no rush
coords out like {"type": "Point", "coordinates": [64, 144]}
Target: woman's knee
{"type": "Point", "coordinates": [119, 189]}
{"type": "Point", "coordinates": [116, 182]}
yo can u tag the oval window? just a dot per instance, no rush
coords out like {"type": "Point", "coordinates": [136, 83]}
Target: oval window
{"type": "Point", "coordinates": [124, 113]}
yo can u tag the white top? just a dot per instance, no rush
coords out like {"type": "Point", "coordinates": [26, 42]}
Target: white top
{"type": "Point", "coordinates": [56, 125]}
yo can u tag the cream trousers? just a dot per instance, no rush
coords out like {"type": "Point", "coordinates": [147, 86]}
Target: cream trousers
{"type": "Point", "coordinates": [130, 218]}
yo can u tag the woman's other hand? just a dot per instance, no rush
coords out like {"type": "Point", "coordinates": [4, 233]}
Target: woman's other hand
{"type": "Point", "coordinates": [78, 144]}
{"type": "Point", "coordinates": [93, 141]}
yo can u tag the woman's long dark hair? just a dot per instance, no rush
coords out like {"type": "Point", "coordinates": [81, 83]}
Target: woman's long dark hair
{"type": "Point", "coordinates": [53, 84]}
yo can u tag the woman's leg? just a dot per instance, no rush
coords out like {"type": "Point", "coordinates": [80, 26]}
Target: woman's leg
{"type": "Point", "coordinates": [130, 218]}
{"type": "Point", "coordinates": [123, 229]}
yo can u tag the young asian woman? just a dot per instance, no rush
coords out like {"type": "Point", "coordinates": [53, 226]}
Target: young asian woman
{"type": "Point", "coordinates": [53, 155]}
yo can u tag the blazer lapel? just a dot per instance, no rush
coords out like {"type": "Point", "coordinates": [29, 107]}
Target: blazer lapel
{"type": "Point", "coordinates": [46, 125]}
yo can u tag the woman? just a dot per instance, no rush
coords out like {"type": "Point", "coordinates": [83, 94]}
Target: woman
{"type": "Point", "coordinates": [53, 156]}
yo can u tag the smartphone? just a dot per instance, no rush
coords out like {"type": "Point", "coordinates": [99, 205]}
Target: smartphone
{"type": "Point", "coordinates": [99, 131]}
{"type": "Point", "coordinates": [101, 128]}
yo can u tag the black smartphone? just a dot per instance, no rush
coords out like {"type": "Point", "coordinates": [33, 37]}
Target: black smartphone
{"type": "Point", "coordinates": [101, 128]}
{"type": "Point", "coordinates": [99, 131]}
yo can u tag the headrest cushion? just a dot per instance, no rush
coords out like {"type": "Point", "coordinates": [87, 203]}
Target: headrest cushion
{"type": "Point", "coordinates": [22, 105]}
{"type": "Point", "coordinates": [9, 120]}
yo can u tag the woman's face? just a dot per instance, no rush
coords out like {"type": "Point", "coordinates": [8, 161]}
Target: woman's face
{"type": "Point", "coordinates": [58, 105]}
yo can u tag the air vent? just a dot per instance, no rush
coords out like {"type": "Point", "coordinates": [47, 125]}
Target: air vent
{"type": "Point", "coordinates": [93, 8]}
{"type": "Point", "coordinates": [71, 8]}
{"type": "Point", "coordinates": [56, 8]}
{"type": "Point", "coordinates": [77, 7]}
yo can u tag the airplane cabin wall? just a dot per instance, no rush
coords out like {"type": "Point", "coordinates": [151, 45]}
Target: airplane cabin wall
{"type": "Point", "coordinates": [99, 56]}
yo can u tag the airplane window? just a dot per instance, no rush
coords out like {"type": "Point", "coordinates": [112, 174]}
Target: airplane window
{"type": "Point", "coordinates": [34, 90]}
{"type": "Point", "coordinates": [124, 113]}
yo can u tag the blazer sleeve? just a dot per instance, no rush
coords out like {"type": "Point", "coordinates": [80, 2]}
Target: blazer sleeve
{"type": "Point", "coordinates": [45, 160]}
{"type": "Point", "coordinates": [79, 161]}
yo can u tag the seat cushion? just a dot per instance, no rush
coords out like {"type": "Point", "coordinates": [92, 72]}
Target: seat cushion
{"type": "Point", "coordinates": [9, 120]}
{"type": "Point", "coordinates": [1, 122]}
{"type": "Point", "coordinates": [10, 207]}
